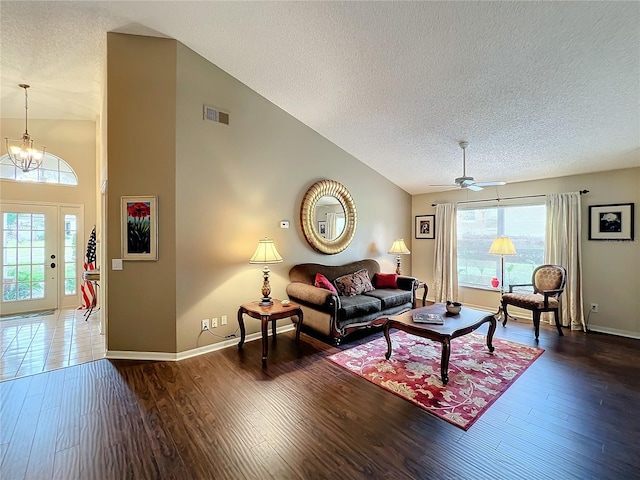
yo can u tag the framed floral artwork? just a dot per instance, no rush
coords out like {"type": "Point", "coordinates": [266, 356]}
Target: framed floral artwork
{"type": "Point", "coordinates": [139, 228]}
{"type": "Point", "coordinates": [611, 222]}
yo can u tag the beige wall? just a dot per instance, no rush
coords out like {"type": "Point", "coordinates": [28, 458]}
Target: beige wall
{"type": "Point", "coordinates": [232, 186]}
{"type": "Point", "coordinates": [141, 149]}
{"type": "Point", "coordinates": [72, 140]}
{"type": "Point", "coordinates": [611, 270]}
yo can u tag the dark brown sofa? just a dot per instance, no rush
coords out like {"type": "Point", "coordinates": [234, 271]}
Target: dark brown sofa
{"type": "Point", "coordinates": [336, 316]}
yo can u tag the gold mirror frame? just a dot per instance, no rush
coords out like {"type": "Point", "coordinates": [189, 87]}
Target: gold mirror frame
{"type": "Point", "coordinates": [307, 216]}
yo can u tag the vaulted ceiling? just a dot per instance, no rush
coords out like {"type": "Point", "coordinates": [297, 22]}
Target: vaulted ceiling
{"type": "Point", "coordinates": [538, 89]}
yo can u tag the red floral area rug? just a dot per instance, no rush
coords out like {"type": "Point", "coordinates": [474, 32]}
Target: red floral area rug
{"type": "Point", "coordinates": [476, 377]}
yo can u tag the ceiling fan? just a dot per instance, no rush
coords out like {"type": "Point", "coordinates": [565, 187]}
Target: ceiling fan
{"type": "Point", "coordinates": [468, 182]}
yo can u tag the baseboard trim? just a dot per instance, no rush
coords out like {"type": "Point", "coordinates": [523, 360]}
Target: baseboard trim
{"type": "Point", "coordinates": [176, 357]}
{"type": "Point", "coordinates": [525, 316]}
{"type": "Point", "coordinates": [614, 331]}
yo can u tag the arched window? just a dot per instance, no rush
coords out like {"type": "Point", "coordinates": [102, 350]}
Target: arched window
{"type": "Point", "coordinates": [53, 170]}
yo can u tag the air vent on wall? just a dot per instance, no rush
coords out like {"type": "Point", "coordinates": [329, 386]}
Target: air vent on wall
{"type": "Point", "coordinates": [215, 115]}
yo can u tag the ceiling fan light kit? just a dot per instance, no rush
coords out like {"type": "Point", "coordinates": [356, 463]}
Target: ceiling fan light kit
{"type": "Point", "coordinates": [23, 152]}
{"type": "Point", "coordinates": [468, 182]}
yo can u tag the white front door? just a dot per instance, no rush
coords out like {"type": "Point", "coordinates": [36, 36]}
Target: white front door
{"type": "Point", "coordinates": [29, 258]}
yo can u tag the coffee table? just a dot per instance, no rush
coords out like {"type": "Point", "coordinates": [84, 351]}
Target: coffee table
{"type": "Point", "coordinates": [454, 326]}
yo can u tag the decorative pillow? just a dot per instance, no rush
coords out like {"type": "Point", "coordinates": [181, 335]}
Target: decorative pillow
{"type": "Point", "coordinates": [354, 283]}
{"type": "Point", "coordinates": [386, 280]}
{"type": "Point", "coordinates": [323, 282]}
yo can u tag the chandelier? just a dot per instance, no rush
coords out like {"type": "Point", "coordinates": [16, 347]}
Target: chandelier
{"type": "Point", "coordinates": [25, 154]}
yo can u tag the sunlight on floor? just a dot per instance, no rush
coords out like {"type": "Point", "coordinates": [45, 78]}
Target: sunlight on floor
{"type": "Point", "coordinates": [40, 344]}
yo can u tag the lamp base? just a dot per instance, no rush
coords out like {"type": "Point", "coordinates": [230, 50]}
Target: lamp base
{"type": "Point", "coordinates": [266, 302]}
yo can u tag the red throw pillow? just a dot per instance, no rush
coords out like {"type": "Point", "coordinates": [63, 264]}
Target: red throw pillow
{"type": "Point", "coordinates": [386, 280]}
{"type": "Point", "coordinates": [323, 282]}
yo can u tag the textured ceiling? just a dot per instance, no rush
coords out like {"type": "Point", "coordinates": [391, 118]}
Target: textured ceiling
{"type": "Point", "coordinates": [539, 89]}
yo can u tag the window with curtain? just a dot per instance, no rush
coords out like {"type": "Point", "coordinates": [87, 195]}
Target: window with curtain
{"type": "Point", "coordinates": [476, 229]}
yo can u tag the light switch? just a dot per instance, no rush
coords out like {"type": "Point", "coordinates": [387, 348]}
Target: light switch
{"type": "Point", "coordinates": [116, 264]}
{"type": "Point", "coordinates": [284, 224]}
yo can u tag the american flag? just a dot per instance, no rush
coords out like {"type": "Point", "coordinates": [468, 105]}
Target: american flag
{"type": "Point", "coordinates": [87, 290]}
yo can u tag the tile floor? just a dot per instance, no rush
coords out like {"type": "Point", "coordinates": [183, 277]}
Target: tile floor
{"type": "Point", "coordinates": [39, 344]}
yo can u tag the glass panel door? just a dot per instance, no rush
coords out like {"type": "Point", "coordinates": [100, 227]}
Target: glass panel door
{"type": "Point", "coordinates": [29, 258]}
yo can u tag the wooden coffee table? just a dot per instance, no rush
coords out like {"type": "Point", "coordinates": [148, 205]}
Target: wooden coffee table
{"type": "Point", "coordinates": [454, 326]}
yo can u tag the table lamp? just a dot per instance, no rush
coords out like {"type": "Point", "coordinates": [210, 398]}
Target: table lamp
{"type": "Point", "coordinates": [399, 248]}
{"type": "Point", "coordinates": [266, 254]}
{"type": "Point", "coordinates": [502, 246]}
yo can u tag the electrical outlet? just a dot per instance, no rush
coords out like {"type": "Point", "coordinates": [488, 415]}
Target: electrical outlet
{"type": "Point", "coordinates": [214, 322]}
{"type": "Point", "coordinates": [223, 320]}
{"type": "Point", "coordinates": [594, 308]}
{"type": "Point", "coordinates": [204, 324]}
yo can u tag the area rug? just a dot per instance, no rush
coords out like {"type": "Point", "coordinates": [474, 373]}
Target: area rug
{"type": "Point", "coordinates": [476, 377]}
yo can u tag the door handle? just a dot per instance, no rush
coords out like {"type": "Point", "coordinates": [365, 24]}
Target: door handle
{"type": "Point", "coordinates": [53, 265]}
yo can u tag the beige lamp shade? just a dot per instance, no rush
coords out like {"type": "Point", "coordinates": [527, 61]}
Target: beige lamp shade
{"type": "Point", "coordinates": [399, 247]}
{"type": "Point", "coordinates": [266, 252]}
{"type": "Point", "coordinates": [502, 246]}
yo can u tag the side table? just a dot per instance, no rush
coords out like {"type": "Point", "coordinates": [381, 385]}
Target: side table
{"type": "Point", "coordinates": [266, 314]}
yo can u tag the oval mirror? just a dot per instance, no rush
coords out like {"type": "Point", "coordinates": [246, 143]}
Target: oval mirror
{"type": "Point", "coordinates": [328, 217]}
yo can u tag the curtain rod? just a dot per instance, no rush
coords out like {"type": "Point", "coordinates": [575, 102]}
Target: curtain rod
{"type": "Point", "coordinates": [581, 192]}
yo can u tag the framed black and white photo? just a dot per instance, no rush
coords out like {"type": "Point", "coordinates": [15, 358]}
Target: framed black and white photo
{"type": "Point", "coordinates": [611, 222]}
{"type": "Point", "coordinates": [322, 228]}
{"type": "Point", "coordinates": [426, 226]}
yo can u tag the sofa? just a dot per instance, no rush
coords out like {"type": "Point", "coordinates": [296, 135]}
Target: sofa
{"type": "Point", "coordinates": [338, 300]}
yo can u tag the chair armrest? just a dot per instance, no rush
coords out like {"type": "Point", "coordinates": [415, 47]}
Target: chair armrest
{"type": "Point", "coordinates": [407, 283]}
{"type": "Point", "coordinates": [312, 294]}
{"type": "Point", "coordinates": [519, 285]}
{"type": "Point", "coordinates": [550, 293]}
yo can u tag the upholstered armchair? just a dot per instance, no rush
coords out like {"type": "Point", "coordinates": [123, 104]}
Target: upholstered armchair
{"type": "Point", "coordinates": [548, 282]}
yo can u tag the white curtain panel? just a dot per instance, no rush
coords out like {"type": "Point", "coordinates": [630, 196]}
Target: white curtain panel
{"type": "Point", "coordinates": [331, 233]}
{"type": "Point", "coordinates": [445, 265]}
{"type": "Point", "coordinates": [564, 247]}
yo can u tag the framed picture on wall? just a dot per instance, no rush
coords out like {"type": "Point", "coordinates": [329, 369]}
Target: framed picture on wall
{"type": "Point", "coordinates": [426, 226]}
{"type": "Point", "coordinates": [611, 222]}
{"type": "Point", "coordinates": [139, 225]}
{"type": "Point", "coordinates": [322, 228]}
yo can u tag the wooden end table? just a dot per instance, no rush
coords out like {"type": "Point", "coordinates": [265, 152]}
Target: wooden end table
{"type": "Point", "coordinates": [266, 314]}
{"type": "Point", "coordinates": [454, 326]}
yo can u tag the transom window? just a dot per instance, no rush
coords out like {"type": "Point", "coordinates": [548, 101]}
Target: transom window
{"type": "Point", "coordinates": [478, 227]}
{"type": "Point", "coordinates": [53, 170]}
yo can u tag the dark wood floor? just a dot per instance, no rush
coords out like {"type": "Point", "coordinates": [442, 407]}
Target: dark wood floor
{"type": "Point", "coordinates": [573, 414]}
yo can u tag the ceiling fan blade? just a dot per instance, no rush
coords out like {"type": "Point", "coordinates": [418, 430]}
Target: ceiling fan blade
{"type": "Point", "coordinates": [490, 184]}
{"type": "Point", "coordinates": [474, 187]}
